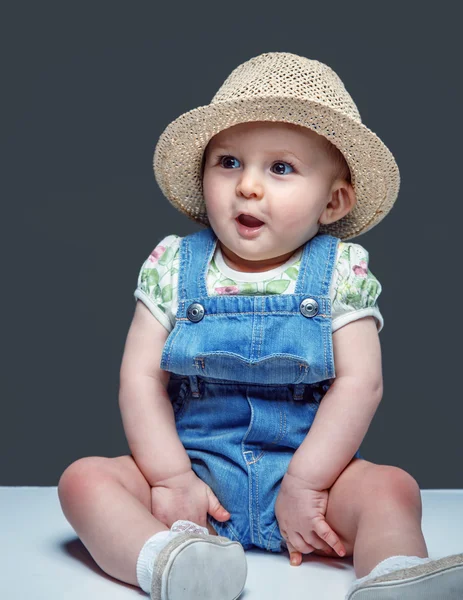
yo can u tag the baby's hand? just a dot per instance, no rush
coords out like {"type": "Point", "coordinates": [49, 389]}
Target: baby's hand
{"type": "Point", "coordinates": [185, 497]}
{"type": "Point", "coordinates": [300, 512]}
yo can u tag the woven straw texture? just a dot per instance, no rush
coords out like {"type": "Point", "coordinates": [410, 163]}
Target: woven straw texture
{"type": "Point", "coordinates": [281, 86]}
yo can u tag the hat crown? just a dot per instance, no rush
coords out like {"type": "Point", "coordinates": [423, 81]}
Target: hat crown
{"type": "Point", "coordinates": [283, 74]}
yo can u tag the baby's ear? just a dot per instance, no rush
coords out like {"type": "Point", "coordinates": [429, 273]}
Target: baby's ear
{"type": "Point", "coordinates": [342, 201]}
{"type": "Point", "coordinates": [349, 193]}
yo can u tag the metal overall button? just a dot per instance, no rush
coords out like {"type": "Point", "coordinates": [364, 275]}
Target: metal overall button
{"type": "Point", "coordinates": [195, 312]}
{"type": "Point", "coordinates": [309, 307]}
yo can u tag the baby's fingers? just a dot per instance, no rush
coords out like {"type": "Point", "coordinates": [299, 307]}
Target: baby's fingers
{"type": "Point", "coordinates": [324, 531]}
{"type": "Point", "coordinates": [295, 556]}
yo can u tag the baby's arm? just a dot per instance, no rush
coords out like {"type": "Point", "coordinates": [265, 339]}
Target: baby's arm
{"type": "Point", "coordinates": [146, 409]}
{"type": "Point", "coordinates": [346, 410]}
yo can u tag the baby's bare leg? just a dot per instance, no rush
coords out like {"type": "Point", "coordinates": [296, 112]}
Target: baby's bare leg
{"type": "Point", "coordinates": [108, 503]}
{"type": "Point", "coordinates": [376, 510]}
{"type": "Point", "coordinates": [389, 520]}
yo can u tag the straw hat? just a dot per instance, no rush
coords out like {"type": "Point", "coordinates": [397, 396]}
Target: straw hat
{"type": "Point", "coordinates": [281, 86]}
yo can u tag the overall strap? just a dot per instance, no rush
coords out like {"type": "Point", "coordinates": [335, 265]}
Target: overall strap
{"type": "Point", "coordinates": [317, 264]}
{"type": "Point", "coordinates": [196, 250]}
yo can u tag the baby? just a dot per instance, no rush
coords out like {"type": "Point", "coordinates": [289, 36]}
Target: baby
{"type": "Point", "coordinates": [252, 367]}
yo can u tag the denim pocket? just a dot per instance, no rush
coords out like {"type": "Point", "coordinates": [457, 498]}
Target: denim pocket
{"type": "Point", "coordinates": [274, 369]}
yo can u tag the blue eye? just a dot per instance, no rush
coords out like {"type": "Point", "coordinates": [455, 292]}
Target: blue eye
{"type": "Point", "coordinates": [283, 164]}
{"type": "Point", "coordinates": [223, 159]}
{"type": "Point", "coordinates": [226, 161]}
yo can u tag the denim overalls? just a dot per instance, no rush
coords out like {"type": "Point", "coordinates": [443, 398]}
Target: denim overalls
{"type": "Point", "coordinates": [247, 375]}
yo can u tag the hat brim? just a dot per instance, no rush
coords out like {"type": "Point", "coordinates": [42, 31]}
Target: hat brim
{"type": "Point", "coordinates": [375, 175]}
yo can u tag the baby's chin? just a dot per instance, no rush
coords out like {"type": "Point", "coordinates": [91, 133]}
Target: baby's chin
{"type": "Point", "coordinates": [260, 261]}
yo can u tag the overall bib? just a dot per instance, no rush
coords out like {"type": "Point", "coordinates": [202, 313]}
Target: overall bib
{"type": "Point", "coordinates": [247, 375]}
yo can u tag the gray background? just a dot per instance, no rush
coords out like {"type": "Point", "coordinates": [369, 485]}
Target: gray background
{"type": "Point", "coordinates": [87, 89]}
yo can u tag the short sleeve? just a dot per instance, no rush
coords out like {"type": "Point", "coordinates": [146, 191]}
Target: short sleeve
{"type": "Point", "coordinates": [355, 289]}
{"type": "Point", "coordinates": [158, 279]}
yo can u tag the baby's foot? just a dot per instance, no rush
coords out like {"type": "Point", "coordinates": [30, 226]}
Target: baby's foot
{"type": "Point", "coordinates": [195, 565]}
{"type": "Point", "coordinates": [441, 578]}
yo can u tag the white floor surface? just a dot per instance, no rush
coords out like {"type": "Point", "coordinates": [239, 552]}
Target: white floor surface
{"type": "Point", "coordinates": [41, 558]}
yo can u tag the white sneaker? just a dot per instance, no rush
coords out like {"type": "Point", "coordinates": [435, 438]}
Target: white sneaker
{"type": "Point", "coordinates": [196, 567]}
{"type": "Point", "coordinates": [441, 578]}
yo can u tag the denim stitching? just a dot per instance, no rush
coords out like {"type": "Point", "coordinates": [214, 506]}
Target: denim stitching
{"type": "Point", "coordinates": [326, 344]}
{"type": "Point", "coordinates": [258, 506]}
{"type": "Point", "coordinates": [251, 516]}
{"type": "Point", "coordinates": [261, 328]}
{"type": "Point", "coordinates": [254, 460]}
{"type": "Point", "coordinates": [188, 253]}
{"type": "Point", "coordinates": [324, 351]}
{"type": "Point", "coordinates": [203, 272]}
{"type": "Point", "coordinates": [271, 535]}
{"type": "Point", "coordinates": [210, 248]}
{"type": "Point", "coordinates": [227, 525]}
{"type": "Point", "coordinates": [328, 263]}
{"type": "Point", "coordinates": [301, 282]}
{"type": "Point", "coordinates": [285, 424]}
{"type": "Point", "coordinates": [225, 314]}
{"type": "Point", "coordinates": [333, 254]}
{"type": "Point", "coordinates": [253, 332]}
{"type": "Point", "coordinates": [181, 273]}
{"type": "Point", "coordinates": [234, 534]}
{"type": "Point", "coordinates": [185, 272]}
{"type": "Point", "coordinates": [282, 432]}
{"type": "Point", "coordinates": [174, 335]}
{"type": "Point", "coordinates": [275, 440]}
{"type": "Point", "coordinates": [280, 435]}
{"type": "Point", "coordinates": [302, 373]}
{"type": "Point", "coordinates": [322, 284]}
{"type": "Point", "coordinates": [201, 360]}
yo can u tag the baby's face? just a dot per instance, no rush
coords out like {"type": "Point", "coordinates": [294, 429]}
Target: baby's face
{"type": "Point", "coordinates": [276, 172]}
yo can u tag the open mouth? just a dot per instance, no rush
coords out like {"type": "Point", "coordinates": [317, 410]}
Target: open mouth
{"type": "Point", "coordinates": [249, 221]}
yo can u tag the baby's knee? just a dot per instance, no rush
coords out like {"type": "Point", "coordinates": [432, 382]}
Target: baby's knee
{"type": "Point", "coordinates": [79, 476]}
{"type": "Point", "coordinates": [387, 483]}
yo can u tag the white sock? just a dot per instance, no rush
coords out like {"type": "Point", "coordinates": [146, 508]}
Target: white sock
{"type": "Point", "coordinates": [155, 544]}
{"type": "Point", "coordinates": [393, 563]}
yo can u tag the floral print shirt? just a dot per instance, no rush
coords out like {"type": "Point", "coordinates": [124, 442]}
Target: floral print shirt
{"type": "Point", "coordinates": [354, 289]}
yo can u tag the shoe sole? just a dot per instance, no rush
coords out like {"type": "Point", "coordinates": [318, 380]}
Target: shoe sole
{"type": "Point", "coordinates": [444, 583]}
{"type": "Point", "coordinates": [201, 568]}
